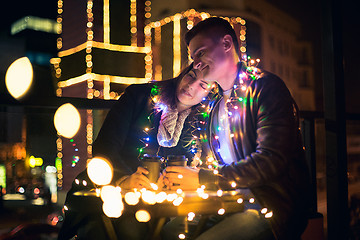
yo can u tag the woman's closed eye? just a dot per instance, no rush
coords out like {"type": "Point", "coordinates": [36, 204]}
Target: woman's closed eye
{"type": "Point", "coordinates": [192, 75]}
{"type": "Point", "coordinates": [204, 85]}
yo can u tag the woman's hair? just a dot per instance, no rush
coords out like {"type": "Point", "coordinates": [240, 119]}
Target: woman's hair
{"type": "Point", "coordinates": [168, 88]}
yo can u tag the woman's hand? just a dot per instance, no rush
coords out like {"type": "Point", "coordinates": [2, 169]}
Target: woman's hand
{"type": "Point", "coordinates": [137, 180]}
{"type": "Point", "coordinates": [185, 178]}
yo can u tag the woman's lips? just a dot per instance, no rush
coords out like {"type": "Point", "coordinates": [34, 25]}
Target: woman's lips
{"type": "Point", "coordinates": [186, 93]}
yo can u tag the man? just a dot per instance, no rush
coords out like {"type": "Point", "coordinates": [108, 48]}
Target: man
{"type": "Point", "coordinates": [253, 132]}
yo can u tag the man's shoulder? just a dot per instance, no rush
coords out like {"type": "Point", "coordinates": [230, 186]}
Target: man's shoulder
{"type": "Point", "coordinates": [258, 74]}
{"type": "Point", "coordinates": [267, 78]}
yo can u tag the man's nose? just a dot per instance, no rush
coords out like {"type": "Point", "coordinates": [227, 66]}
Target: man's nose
{"type": "Point", "coordinates": [197, 64]}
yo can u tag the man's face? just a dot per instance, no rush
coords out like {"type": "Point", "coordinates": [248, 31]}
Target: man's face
{"type": "Point", "coordinates": [209, 57]}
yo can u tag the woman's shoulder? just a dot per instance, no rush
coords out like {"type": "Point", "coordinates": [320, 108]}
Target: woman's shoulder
{"type": "Point", "coordinates": [149, 85]}
{"type": "Point", "coordinates": [142, 87]}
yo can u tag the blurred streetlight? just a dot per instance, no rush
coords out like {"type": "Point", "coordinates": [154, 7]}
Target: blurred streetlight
{"type": "Point", "coordinates": [67, 120]}
{"type": "Point", "coordinates": [100, 171]}
{"type": "Point", "coordinates": [19, 77]}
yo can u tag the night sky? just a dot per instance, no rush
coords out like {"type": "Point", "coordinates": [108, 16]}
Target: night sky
{"type": "Point", "coordinates": [12, 10]}
{"type": "Point", "coordinates": [308, 12]}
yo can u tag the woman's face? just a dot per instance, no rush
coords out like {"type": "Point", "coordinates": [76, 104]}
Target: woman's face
{"type": "Point", "coordinates": [191, 89]}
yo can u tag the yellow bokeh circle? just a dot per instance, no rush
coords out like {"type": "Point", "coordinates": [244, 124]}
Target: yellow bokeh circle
{"type": "Point", "coordinates": [67, 120]}
{"type": "Point", "coordinates": [19, 77]}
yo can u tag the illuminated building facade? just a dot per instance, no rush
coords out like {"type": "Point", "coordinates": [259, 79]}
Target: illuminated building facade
{"type": "Point", "coordinates": [100, 51]}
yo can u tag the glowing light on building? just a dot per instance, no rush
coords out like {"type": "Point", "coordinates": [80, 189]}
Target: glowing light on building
{"type": "Point", "coordinates": [133, 28]}
{"type": "Point", "coordinates": [35, 23]}
{"type": "Point", "coordinates": [147, 10]}
{"type": "Point", "coordinates": [100, 45]}
{"type": "Point", "coordinates": [106, 21]}
{"type": "Point", "coordinates": [59, 21]}
{"type": "Point", "coordinates": [177, 45]}
{"type": "Point", "coordinates": [89, 131]}
{"type": "Point", "coordinates": [99, 77]}
{"type": "Point", "coordinates": [191, 17]}
{"type": "Point", "coordinates": [107, 87]}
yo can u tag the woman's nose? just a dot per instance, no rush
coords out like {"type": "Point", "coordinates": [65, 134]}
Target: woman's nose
{"type": "Point", "coordinates": [189, 85]}
{"type": "Point", "coordinates": [192, 85]}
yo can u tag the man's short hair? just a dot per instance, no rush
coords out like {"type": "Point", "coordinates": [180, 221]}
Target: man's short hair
{"type": "Point", "coordinates": [214, 28]}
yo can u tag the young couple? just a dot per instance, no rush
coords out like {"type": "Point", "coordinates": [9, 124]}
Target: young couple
{"type": "Point", "coordinates": [252, 131]}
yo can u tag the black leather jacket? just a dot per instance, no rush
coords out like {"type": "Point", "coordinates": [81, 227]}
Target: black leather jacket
{"type": "Point", "coordinates": [264, 123]}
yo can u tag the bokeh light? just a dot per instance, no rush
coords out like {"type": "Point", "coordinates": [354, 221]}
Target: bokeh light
{"type": "Point", "coordinates": [67, 120]}
{"type": "Point", "coordinates": [131, 198]}
{"type": "Point", "coordinates": [113, 208]}
{"type": "Point", "coordinates": [19, 77]}
{"type": "Point", "coordinates": [110, 192]}
{"type": "Point", "coordinates": [142, 216]}
{"type": "Point", "coordinates": [100, 171]}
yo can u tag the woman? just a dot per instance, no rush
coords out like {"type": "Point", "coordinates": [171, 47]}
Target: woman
{"type": "Point", "coordinates": [156, 118]}
{"type": "Point", "coordinates": [150, 119]}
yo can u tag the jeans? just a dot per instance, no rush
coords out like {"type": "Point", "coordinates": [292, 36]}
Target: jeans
{"type": "Point", "coordinates": [239, 226]}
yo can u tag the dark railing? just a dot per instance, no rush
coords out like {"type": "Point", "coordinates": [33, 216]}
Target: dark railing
{"type": "Point", "coordinates": [308, 127]}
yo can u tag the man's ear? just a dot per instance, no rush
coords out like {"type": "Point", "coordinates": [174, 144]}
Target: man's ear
{"type": "Point", "coordinates": [227, 42]}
